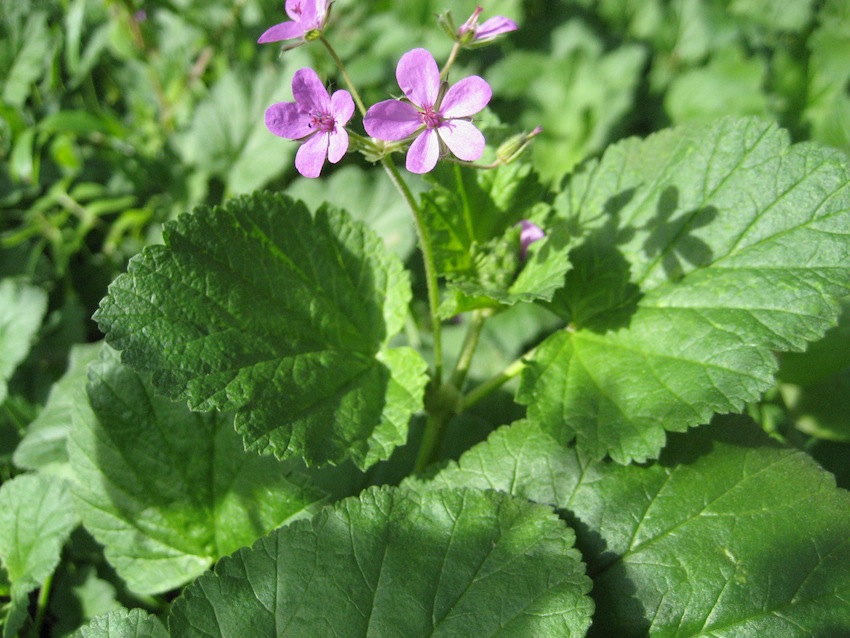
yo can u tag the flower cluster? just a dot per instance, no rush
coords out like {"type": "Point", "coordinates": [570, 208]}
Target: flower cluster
{"type": "Point", "coordinates": [435, 119]}
{"type": "Point", "coordinates": [431, 114]}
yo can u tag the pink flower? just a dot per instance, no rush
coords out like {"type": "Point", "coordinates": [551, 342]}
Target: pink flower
{"type": "Point", "coordinates": [308, 21]}
{"type": "Point", "coordinates": [529, 234]}
{"type": "Point", "coordinates": [316, 118]}
{"type": "Point", "coordinates": [488, 29]}
{"type": "Point", "coordinates": [438, 117]}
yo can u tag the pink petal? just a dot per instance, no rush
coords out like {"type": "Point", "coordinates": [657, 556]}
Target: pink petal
{"type": "Point", "coordinates": [494, 26]}
{"type": "Point", "coordinates": [392, 120]}
{"type": "Point", "coordinates": [287, 120]}
{"type": "Point", "coordinates": [342, 107]}
{"type": "Point", "coordinates": [309, 92]}
{"type": "Point", "coordinates": [418, 77]}
{"type": "Point", "coordinates": [293, 8]}
{"type": "Point", "coordinates": [466, 98]}
{"type": "Point", "coordinates": [282, 31]}
{"type": "Point", "coordinates": [463, 139]}
{"type": "Point", "coordinates": [337, 144]}
{"type": "Point", "coordinates": [424, 152]}
{"type": "Point", "coordinates": [311, 156]}
{"type": "Point", "coordinates": [309, 15]}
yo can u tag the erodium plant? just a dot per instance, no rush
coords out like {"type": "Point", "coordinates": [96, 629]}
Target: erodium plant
{"type": "Point", "coordinates": [333, 475]}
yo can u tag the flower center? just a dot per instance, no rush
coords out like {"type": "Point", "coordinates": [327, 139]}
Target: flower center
{"type": "Point", "coordinates": [431, 118]}
{"type": "Point", "coordinates": [322, 121]}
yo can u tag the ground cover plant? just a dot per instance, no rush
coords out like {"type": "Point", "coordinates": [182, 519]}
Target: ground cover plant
{"type": "Point", "coordinates": [422, 319]}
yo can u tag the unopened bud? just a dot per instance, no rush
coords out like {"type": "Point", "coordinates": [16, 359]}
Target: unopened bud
{"type": "Point", "coordinates": [514, 146]}
{"type": "Point", "coordinates": [447, 24]}
{"type": "Point", "coordinates": [529, 234]}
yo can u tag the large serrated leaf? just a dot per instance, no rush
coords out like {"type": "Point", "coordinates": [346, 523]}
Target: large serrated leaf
{"type": "Point", "coordinates": [260, 308]}
{"type": "Point", "coordinates": [167, 491]}
{"type": "Point", "coordinates": [727, 535]}
{"type": "Point", "coordinates": [705, 250]}
{"type": "Point", "coordinates": [395, 562]}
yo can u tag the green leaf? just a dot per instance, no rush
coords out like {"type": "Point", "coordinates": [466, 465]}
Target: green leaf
{"type": "Point", "coordinates": [823, 358]}
{"type": "Point", "coordinates": [471, 217]}
{"type": "Point", "coordinates": [466, 207]}
{"type": "Point", "coordinates": [167, 491]}
{"type": "Point", "coordinates": [575, 89]}
{"type": "Point", "coordinates": [44, 446]}
{"type": "Point", "coordinates": [22, 308]}
{"type": "Point", "coordinates": [31, 60]}
{"type": "Point", "coordinates": [259, 308]}
{"type": "Point", "coordinates": [379, 205]}
{"type": "Point", "coordinates": [728, 534]}
{"type": "Point", "coordinates": [828, 104]}
{"type": "Point", "coordinates": [730, 84]}
{"type": "Point", "coordinates": [228, 137]}
{"type": "Point", "coordinates": [397, 563]}
{"type": "Point", "coordinates": [36, 518]}
{"type": "Point", "coordinates": [705, 250]}
{"type": "Point", "coordinates": [123, 623]}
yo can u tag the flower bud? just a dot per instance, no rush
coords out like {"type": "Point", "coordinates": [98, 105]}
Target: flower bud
{"type": "Point", "coordinates": [514, 146]}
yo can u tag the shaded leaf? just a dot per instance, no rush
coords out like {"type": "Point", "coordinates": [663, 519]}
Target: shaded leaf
{"type": "Point", "coordinates": [44, 446]}
{"type": "Point", "coordinates": [167, 491]}
{"type": "Point", "coordinates": [22, 308]}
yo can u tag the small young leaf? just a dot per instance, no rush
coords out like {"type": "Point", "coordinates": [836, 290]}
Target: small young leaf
{"type": "Point", "coordinates": [728, 534]}
{"type": "Point", "coordinates": [168, 491]}
{"type": "Point", "coordinates": [394, 562]}
{"type": "Point", "coordinates": [465, 208]}
{"type": "Point", "coordinates": [259, 308]}
{"type": "Point", "coordinates": [705, 250]}
{"type": "Point", "coordinates": [22, 308]}
{"type": "Point", "coordinates": [471, 216]}
{"type": "Point", "coordinates": [36, 518]}
{"type": "Point", "coordinates": [123, 623]}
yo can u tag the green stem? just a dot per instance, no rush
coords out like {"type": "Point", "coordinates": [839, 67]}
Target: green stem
{"type": "Point", "coordinates": [428, 258]}
{"type": "Point", "coordinates": [468, 350]}
{"type": "Point", "coordinates": [431, 438]}
{"type": "Point", "coordinates": [450, 61]}
{"type": "Point", "coordinates": [41, 609]}
{"type": "Point", "coordinates": [357, 99]}
{"type": "Point", "coordinates": [491, 385]}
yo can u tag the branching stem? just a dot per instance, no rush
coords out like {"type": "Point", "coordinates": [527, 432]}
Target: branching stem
{"type": "Point", "coordinates": [491, 385]}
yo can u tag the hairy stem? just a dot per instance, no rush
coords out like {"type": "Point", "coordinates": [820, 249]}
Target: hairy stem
{"type": "Point", "coordinates": [428, 258]}
{"type": "Point", "coordinates": [470, 342]}
{"type": "Point", "coordinates": [455, 50]}
{"type": "Point", "coordinates": [339, 64]}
